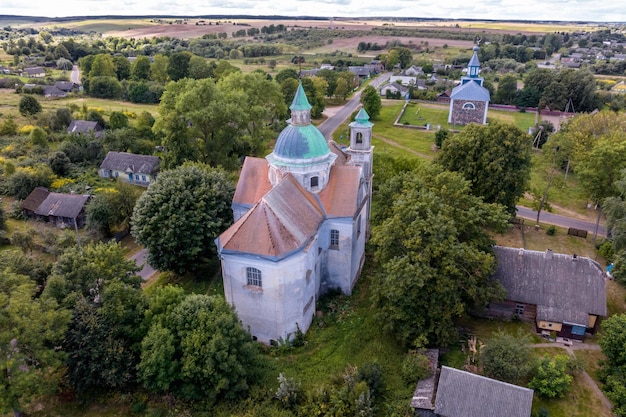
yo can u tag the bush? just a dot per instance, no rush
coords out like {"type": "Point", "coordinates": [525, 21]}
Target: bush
{"type": "Point", "coordinates": [29, 106]}
{"type": "Point", "coordinates": [372, 374]}
{"type": "Point", "coordinates": [551, 230]}
{"type": "Point", "coordinates": [288, 392]}
{"type": "Point", "coordinates": [415, 366]}
{"type": "Point", "coordinates": [607, 251]}
{"type": "Point", "coordinates": [552, 379]}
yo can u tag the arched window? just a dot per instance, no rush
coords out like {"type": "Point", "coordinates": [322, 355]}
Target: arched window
{"type": "Point", "coordinates": [315, 182]}
{"type": "Point", "coordinates": [254, 276]}
{"type": "Point", "coordinates": [469, 106]}
{"type": "Point", "coordinates": [359, 137]}
{"type": "Point", "coordinates": [334, 239]}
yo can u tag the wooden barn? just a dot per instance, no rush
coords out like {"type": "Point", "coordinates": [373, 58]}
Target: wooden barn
{"type": "Point", "coordinates": [563, 294]}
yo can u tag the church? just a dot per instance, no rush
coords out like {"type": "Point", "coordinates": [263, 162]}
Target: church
{"type": "Point", "coordinates": [469, 101]}
{"type": "Point", "coordinates": [301, 220]}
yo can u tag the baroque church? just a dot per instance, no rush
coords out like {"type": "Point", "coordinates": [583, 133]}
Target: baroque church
{"type": "Point", "coordinates": [301, 222]}
{"type": "Point", "coordinates": [469, 101]}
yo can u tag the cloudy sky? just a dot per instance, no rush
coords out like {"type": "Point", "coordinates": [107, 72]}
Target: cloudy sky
{"type": "Point", "coordinates": [564, 10]}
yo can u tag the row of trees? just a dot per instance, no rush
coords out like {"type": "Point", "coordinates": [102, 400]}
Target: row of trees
{"type": "Point", "coordinates": [91, 326]}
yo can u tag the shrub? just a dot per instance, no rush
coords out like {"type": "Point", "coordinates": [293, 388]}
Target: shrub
{"type": "Point", "coordinates": [607, 251]}
{"type": "Point", "coordinates": [415, 366]}
{"type": "Point", "coordinates": [288, 392]}
{"type": "Point", "coordinates": [552, 379]}
{"type": "Point", "coordinates": [372, 374]}
{"type": "Point", "coordinates": [551, 230]}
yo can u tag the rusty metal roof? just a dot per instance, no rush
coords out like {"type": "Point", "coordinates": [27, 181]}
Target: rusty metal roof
{"type": "Point", "coordinates": [253, 181]}
{"type": "Point", "coordinates": [35, 198]}
{"type": "Point", "coordinates": [62, 205]}
{"type": "Point", "coordinates": [283, 221]}
{"type": "Point", "coordinates": [342, 157]}
{"type": "Point", "coordinates": [340, 197]}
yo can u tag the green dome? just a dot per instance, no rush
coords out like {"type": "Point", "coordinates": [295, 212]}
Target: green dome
{"type": "Point", "coordinates": [301, 142]}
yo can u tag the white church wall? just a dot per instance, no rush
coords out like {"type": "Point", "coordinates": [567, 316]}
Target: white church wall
{"type": "Point", "coordinates": [339, 257]}
{"type": "Point", "coordinates": [287, 295]}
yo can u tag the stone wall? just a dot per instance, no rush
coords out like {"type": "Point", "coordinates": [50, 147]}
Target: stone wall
{"type": "Point", "coordinates": [461, 116]}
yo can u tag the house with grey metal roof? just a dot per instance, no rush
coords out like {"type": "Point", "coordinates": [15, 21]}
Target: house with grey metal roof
{"type": "Point", "coordinates": [469, 101]}
{"type": "Point", "coordinates": [34, 72]}
{"type": "Point", "coordinates": [64, 210]}
{"type": "Point", "coordinates": [560, 293]}
{"type": "Point", "coordinates": [464, 394]}
{"type": "Point", "coordinates": [133, 168]}
{"type": "Point", "coordinates": [85, 127]}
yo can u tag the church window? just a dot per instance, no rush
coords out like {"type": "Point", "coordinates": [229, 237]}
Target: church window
{"type": "Point", "coordinates": [359, 137]}
{"type": "Point", "coordinates": [315, 182]}
{"type": "Point", "coordinates": [254, 276]}
{"type": "Point", "coordinates": [469, 106]}
{"type": "Point", "coordinates": [334, 239]}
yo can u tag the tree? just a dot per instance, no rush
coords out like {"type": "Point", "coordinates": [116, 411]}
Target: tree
{"type": "Point", "coordinates": [615, 210]}
{"type": "Point", "coordinates": [112, 209]}
{"type": "Point", "coordinates": [24, 180]}
{"type": "Point", "coordinates": [64, 64]}
{"type": "Point", "coordinates": [507, 89]}
{"type": "Point", "coordinates": [32, 328]}
{"type": "Point", "coordinates": [59, 163]}
{"type": "Point", "coordinates": [200, 68]}
{"type": "Point", "coordinates": [183, 242]}
{"type": "Point", "coordinates": [552, 377]}
{"type": "Point", "coordinates": [38, 137]}
{"type": "Point", "coordinates": [342, 90]}
{"type": "Point", "coordinates": [103, 339]}
{"type": "Point", "coordinates": [105, 87]}
{"type": "Point", "coordinates": [613, 344]}
{"type": "Point", "coordinates": [178, 65]}
{"type": "Point", "coordinates": [158, 69]}
{"type": "Point", "coordinates": [118, 120]}
{"type": "Point", "coordinates": [433, 239]}
{"type": "Point", "coordinates": [198, 350]}
{"type": "Point", "coordinates": [495, 158]}
{"type": "Point", "coordinates": [122, 67]}
{"type": "Point", "coordinates": [102, 65]}
{"type": "Point", "coordinates": [140, 68]}
{"type": "Point", "coordinates": [29, 106]}
{"type": "Point", "coordinates": [506, 357]}
{"type": "Point", "coordinates": [371, 101]}
{"type": "Point", "coordinates": [84, 272]}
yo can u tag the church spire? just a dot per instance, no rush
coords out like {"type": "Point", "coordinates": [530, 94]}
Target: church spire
{"type": "Point", "coordinates": [474, 65]}
{"type": "Point", "coordinates": [300, 108]}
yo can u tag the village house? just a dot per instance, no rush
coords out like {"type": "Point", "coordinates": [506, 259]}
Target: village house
{"type": "Point", "coordinates": [301, 222]}
{"type": "Point", "coordinates": [564, 295]}
{"type": "Point", "coordinates": [34, 72]}
{"type": "Point", "coordinates": [64, 210]}
{"type": "Point", "coordinates": [394, 89]}
{"type": "Point", "coordinates": [85, 127]}
{"type": "Point", "coordinates": [132, 168]}
{"type": "Point", "coordinates": [469, 101]}
{"type": "Point", "coordinates": [464, 394]}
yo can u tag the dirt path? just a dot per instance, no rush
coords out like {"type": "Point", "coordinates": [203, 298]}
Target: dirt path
{"type": "Point", "coordinates": [397, 145]}
{"type": "Point", "coordinates": [570, 351]}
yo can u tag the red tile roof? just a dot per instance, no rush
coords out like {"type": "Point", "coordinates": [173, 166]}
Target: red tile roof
{"type": "Point", "coordinates": [284, 220]}
{"type": "Point", "coordinates": [340, 196]}
{"type": "Point", "coordinates": [253, 181]}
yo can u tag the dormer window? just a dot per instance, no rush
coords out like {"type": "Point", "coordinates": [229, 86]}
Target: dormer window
{"type": "Point", "coordinates": [315, 182]}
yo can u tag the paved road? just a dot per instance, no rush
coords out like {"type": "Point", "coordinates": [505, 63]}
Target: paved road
{"type": "Point", "coordinates": [75, 75]}
{"type": "Point", "coordinates": [333, 122]}
{"type": "Point", "coordinates": [558, 220]}
{"type": "Point", "coordinates": [141, 259]}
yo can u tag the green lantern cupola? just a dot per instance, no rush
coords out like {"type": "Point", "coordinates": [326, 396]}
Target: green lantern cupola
{"type": "Point", "coordinates": [301, 149]}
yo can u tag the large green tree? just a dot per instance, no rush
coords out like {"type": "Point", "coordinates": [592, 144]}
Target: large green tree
{"type": "Point", "coordinates": [434, 255]}
{"type": "Point", "coordinates": [29, 106]}
{"type": "Point", "coordinates": [371, 101]}
{"type": "Point", "coordinates": [613, 344]}
{"type": "Point", "coordinates": [180, 215]}
{"type": "Point", "coordinates": [104, 338]}
{"type": "Point", "coordinates": [217, 123]}
{"type": "Point", "coordinates": [495, 159]}
{"type": "Point", "coordinates": [31, 328]}
{"type": "Point", "coordinates": [83, 272]}
{"type": "Point", "coordinates": [196, 348]}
